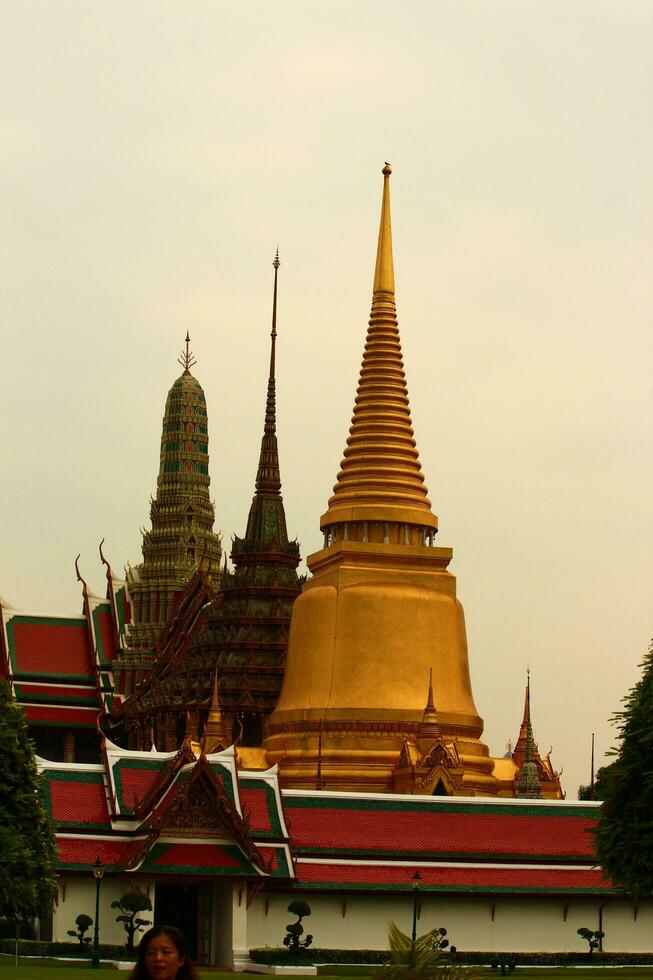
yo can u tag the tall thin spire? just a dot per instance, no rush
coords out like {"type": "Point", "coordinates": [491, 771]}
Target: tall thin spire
{"type": "Point", "coordinates": [268, 477]}
{"type": "Point", "coordinates": [528, 779]}
{"type": "Point", "coordinates": [380, 478]}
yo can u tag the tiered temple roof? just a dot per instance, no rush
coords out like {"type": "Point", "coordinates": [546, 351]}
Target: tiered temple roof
{"type": "Point", "coordinates": [243, 633]}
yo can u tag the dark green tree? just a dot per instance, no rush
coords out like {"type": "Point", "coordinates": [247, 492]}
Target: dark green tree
{"type": "Point", "coordinates": [624, 834]}
{"type": "Point", "coordinates": [601, 785]}
{"type": "Point", "coordinates": [130, 904]}
{"type": "Point", "coordinates": [26, 837]}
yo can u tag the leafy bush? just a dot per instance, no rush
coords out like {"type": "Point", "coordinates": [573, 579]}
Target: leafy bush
{"type": "Point", "coordinates": [35, 947]}
{"type": "Point", "coordinates": [278, 956]}
{"type": "Point", "coordinates": [420, 959]}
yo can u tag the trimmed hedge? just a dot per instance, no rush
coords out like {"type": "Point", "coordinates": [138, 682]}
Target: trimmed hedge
{"type": "Point", "coordinates": [34, 947]}
{"type": "Point", "coordinates": [279, 956]}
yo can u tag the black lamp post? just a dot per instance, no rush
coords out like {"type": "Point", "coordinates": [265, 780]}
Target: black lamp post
{"type": "Point", "coordinates": [98, 874]}
{"type": "Point", "coordinates": [416, 880]}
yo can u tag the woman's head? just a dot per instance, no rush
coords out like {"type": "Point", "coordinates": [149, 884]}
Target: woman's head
{"type": "Point", "coordinates": [163, 955]}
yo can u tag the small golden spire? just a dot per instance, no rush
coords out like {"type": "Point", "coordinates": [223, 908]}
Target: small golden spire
{"type": "Point", "coordinates": [215, 737]}
{"type": "Point", "coordinates": [429, 727]}
{"type": "Point", "coordinates": [187, 358]}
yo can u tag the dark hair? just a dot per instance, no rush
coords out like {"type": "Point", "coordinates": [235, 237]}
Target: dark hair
{"type": "Point", "coordinates": [187, 969]}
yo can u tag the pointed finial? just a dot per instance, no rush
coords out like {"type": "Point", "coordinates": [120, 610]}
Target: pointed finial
{"type": "Point", "coordinates": [276, 263]}
{"type": "Point", "coordinates": [187, 358]}
{"type": "Point", "coordinates": [384, 276]}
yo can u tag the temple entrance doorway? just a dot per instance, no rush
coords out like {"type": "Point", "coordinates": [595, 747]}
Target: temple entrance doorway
{"type": "Point", "coordinates": [204, 913]}
{"type": "Point", "coordinates": [188, 907]}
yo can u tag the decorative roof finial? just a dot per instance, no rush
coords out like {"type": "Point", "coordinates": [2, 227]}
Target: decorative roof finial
{"type": "Point", "coordinates": [187, 358]}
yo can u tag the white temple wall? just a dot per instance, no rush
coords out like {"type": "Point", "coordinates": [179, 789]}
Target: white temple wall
{"type": "Point", "coordinates": [502, 924]}
{"type": "Point", "coordinates": [76, 894]}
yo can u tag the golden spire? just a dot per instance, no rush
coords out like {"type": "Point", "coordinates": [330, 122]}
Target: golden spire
{"type": "Point", "coordinates": [380, 478]}
{"type": "Point", "coordinates": [215, 737]}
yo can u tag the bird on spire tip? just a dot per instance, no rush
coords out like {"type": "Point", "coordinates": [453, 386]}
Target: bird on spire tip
{"type": "Point", "coordinates": [387, 170]}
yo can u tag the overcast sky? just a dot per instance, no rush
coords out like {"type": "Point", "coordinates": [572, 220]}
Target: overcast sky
{"type": "Point", "coordinates": [154, 153]}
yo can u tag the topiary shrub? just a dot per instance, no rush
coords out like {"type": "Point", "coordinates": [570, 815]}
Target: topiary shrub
{"type": "Point", "coordinates": [83, 923]}
{"type": "Point", "coordinates": [291, 940]}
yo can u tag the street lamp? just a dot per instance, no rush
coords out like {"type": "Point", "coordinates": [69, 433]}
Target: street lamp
{"type": "Point", "coordinates": [98, 874]}
{"type": "Point", "coordinates": [416, 880]}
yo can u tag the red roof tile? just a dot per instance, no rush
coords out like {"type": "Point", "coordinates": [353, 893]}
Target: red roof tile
{"type": "Point", "coordinates": [106, 640]}
{"type": "Point", "coordinates": [196, 855]}
{"type": "Point", "coordinates": [49, 646]}
{"type": "Point", "coordinates": [46, 714]}
{"type": "Point", "coordinates": [134, 784]}
{"type": "Point", "coordinates": [447, 879]}
{"type": "Point", "coordinates": [85, 850]}
{"type": "Point", "coordinates": [415, 829]}
{"type": "Point", "coordinates": [77, 801]}
{"type": "Point", "coordinates": [254, 802]}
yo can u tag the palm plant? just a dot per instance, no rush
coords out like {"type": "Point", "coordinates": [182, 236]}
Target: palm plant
{"type": "Point", "coordinates": [419, 960]}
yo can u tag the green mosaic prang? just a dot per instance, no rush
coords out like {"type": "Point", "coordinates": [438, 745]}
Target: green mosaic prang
{"type": "Point", "coordinates": [182, 518]}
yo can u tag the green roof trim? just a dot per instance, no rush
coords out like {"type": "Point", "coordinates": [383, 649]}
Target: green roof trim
{"type": "Point", "coordinates": [317, 886]}
{"type": "Point", "coordinates": [535, 809]}
{"type": "Point", "coordinates": [345, 852]}
{"type": "Point", "coordinates": [23, 693]}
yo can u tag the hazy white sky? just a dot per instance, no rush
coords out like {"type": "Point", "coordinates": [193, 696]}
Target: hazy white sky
{"type": "Point", "coordinates": [154, 152]}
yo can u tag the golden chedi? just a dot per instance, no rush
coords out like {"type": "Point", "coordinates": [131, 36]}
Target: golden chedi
{"type": "Point", "coordinates": [381, 607]}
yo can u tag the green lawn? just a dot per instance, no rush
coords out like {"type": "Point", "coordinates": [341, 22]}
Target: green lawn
{"type": "Point", "coordinates": [30, 969]}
